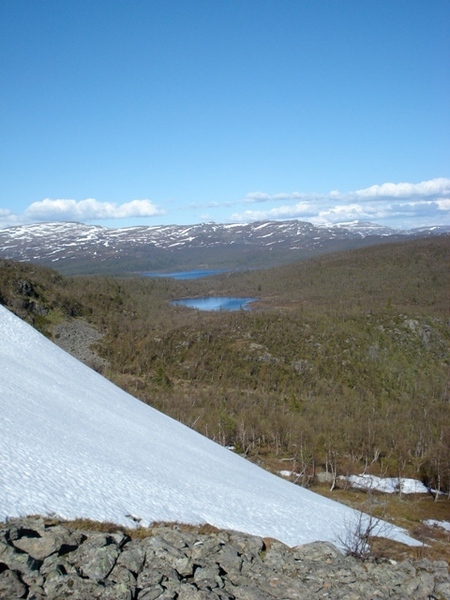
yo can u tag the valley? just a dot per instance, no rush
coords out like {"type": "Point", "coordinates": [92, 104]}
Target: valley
{"type": "Point", "coordinates": [341, 367]}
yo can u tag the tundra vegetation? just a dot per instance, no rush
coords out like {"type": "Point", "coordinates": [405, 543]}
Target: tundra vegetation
{"type": "Point", "coordinates": [342, 366]}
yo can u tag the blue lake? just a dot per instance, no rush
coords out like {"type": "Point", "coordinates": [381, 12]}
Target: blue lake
{"type": "Point", "coordinates": [195, 274]}
{"type": "Point", "coordinates": [219, 303]}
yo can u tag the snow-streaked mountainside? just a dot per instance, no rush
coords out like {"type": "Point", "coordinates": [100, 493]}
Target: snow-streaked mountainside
{"type": "Point", "coordinates": [55, 243]}
{"type": "Point", "coordinates": [75, 445]}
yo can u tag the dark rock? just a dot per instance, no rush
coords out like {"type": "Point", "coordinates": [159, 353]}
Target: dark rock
{"type": "Point", "coordinates": [18, 561]}
{"type": "Point", "coordinates": [132, 557]}
{"type": "Point", "coordinates": [57, 565]}
{"type": "Point", "coordinates": [11, 586]}
{"type": "Point", "coordinates": [229, 559]}
{"type": "Point", "coordinates": [38, 547]}
{"type": "Point", "coordinates": [96, 556]}
{"type": "Point", "coordinates": [121, 583]}
{"type": "Point", "coordinates": [61, 587]}
{"type": "Point", "coordinates": [178, 539]}
{"type": "Point", "coordinates": [317, 551]}
{"type": "Point", "coordinates": [151, 593]}
{"type": "Point", "coordinates": [208, 577]}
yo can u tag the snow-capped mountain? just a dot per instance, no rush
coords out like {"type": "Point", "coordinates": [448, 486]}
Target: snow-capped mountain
{"type": "Point", "coordinates": [59, 244]}
{"type": "Point", "coordinates": [75, 445]}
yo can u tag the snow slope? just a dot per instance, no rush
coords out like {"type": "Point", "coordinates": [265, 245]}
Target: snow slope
{"type": "Point", "coordinates": [75, 445]}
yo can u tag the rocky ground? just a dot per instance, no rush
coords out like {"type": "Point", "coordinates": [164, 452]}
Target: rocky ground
{"type": "Point", "coordinates": [76, 337]}
{"type": "Point", "coordinates": [49, 559]}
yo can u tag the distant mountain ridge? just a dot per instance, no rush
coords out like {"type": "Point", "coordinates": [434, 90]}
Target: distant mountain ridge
{"type": "Point", "coordinates": [72, 247]}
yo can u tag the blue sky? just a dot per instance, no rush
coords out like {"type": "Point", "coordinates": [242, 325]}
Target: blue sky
{"type": "Point", "coordinates": [133, 112]}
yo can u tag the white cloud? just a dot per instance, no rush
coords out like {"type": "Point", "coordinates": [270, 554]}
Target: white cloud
{"type": "Point", "coordinates": [431, 188]}
{"type": "Point", "coordinates": [355, 210]}
{"type": "Point", "coordinates": [89, 209]}
{"type": "Point", "coordinates": [443, 204]}
{"type": "Point", "coordinates": [302, 209]}
{"type": "Point", "coordinates": [254, 197]}
{"type": "Point", "coordinates": [397, 204]}
{"type": "Point", "coordinates": [9, 219]}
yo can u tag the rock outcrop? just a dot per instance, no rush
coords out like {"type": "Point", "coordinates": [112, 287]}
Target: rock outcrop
{"type": "Point", "coordinates": [44, 559]}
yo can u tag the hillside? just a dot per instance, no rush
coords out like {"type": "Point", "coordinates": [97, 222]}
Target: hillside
{"type": "Point", "coordinates": [409, 276]}
{"type": "Point", "coordinates": [316, 379]}
{"type": "Point", "coordinates": [76, 446]}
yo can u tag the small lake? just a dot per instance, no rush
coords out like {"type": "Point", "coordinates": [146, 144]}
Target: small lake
{"type": "Point", "coordinates": [218, 303]}
{"type": "Point", "coordinates": [194, 274]}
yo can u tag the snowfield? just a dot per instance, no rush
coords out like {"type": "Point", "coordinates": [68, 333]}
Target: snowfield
{"type": "Point", "coordinates": [75, 445]}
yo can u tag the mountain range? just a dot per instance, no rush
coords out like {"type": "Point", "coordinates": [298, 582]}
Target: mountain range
{"type": "Point", "coordinates": [77, 248]}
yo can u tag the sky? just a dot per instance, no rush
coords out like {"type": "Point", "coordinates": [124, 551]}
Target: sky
{"type": "Point", "coordinates": [152, 112]}
{"type": "Point", "coordinates": [75, 445]}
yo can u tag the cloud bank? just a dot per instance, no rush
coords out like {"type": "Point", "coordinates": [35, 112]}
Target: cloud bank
{"type": "Point", "coordinates": [401, 205]}
{"type": "Point", "coordinates": [88, 210]}
{"type": "Point", "coordinates": [49, 210]}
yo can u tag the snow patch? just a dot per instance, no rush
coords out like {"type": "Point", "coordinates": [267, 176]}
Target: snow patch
{"type": "Point", "coordinates": [433, 523]}
{"type": "Point", "coordinates": [388, 485]}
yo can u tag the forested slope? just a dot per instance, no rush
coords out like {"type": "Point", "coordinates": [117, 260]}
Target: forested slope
{"type": "Point", "coordinates": [342, 365]}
